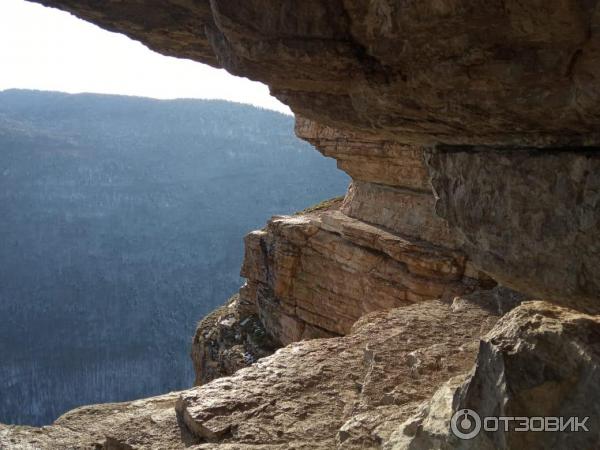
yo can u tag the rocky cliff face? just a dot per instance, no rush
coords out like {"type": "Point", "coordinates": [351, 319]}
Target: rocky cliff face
{"type": "Point", "coordinates": [531, 217]}
{"type": "Point", "coordinates": [469, 131]}
{"type": "Point", "coordinates": [540, 360]}
{"type": "Point", "coordinates": [315, 274]}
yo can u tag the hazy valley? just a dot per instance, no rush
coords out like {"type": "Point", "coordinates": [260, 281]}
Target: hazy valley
{"type": "Point", "coordinates": [122, 225]}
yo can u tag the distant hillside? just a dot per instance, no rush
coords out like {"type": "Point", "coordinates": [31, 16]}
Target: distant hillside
{"type": "Point", "coordinates": [122, 225]}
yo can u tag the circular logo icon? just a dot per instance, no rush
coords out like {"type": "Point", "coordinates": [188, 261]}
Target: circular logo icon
{"type": "Point", "coordinates": [465, 424]}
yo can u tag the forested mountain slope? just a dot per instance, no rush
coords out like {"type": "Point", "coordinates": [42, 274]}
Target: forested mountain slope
{"type": "Point", "coordinates": [122, 225]}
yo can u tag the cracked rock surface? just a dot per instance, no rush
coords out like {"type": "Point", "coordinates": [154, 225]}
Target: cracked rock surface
{"type": "Point", "coordinates": [315, 275]}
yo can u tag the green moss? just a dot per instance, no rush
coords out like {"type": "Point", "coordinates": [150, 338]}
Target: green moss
{"type": "Point", "coordinates": [322, 206]}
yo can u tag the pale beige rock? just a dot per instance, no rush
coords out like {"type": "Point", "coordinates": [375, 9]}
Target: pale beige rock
{"type": "Point", "coordinates": [143, 424]}
{"type": "Point", "coordinates": [367, 157]}
{"type": "Point", "coordinates": [390, 186]}
{"type": "Point", "coordinates": [347, 392]}
{"type": "Point", "coordinates": [400, 210]}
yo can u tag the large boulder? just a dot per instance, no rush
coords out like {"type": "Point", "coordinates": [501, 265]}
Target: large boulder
{"type": "Point", "coordinates": [540, 360]}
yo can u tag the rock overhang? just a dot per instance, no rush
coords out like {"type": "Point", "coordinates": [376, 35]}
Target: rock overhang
{"type": "Point", "coordinates": [444, 71]}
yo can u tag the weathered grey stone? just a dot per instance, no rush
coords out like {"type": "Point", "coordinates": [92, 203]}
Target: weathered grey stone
{"type": "Point", "coordinates": [540, 360]}
{"type": "Point", "coordinates": [228, 339]}
{"type": "Point", "coordinates": [530, 218]}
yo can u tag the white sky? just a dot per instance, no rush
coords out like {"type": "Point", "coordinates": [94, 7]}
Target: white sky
{"type": "Point", "coordinates": [47, 49]}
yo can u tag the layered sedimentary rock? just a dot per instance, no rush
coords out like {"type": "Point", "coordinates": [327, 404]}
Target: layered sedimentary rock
{"type": "Point", "coordinates": [367, 157]}
{"type": "Point", "coordinates": [499, 73]}
{"type": "Point", "coordinates": [315, 275]}
{"type": "Point", "coordinates": [346, 392]}
{"type": "Point", "coordinates": [390, 181]}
